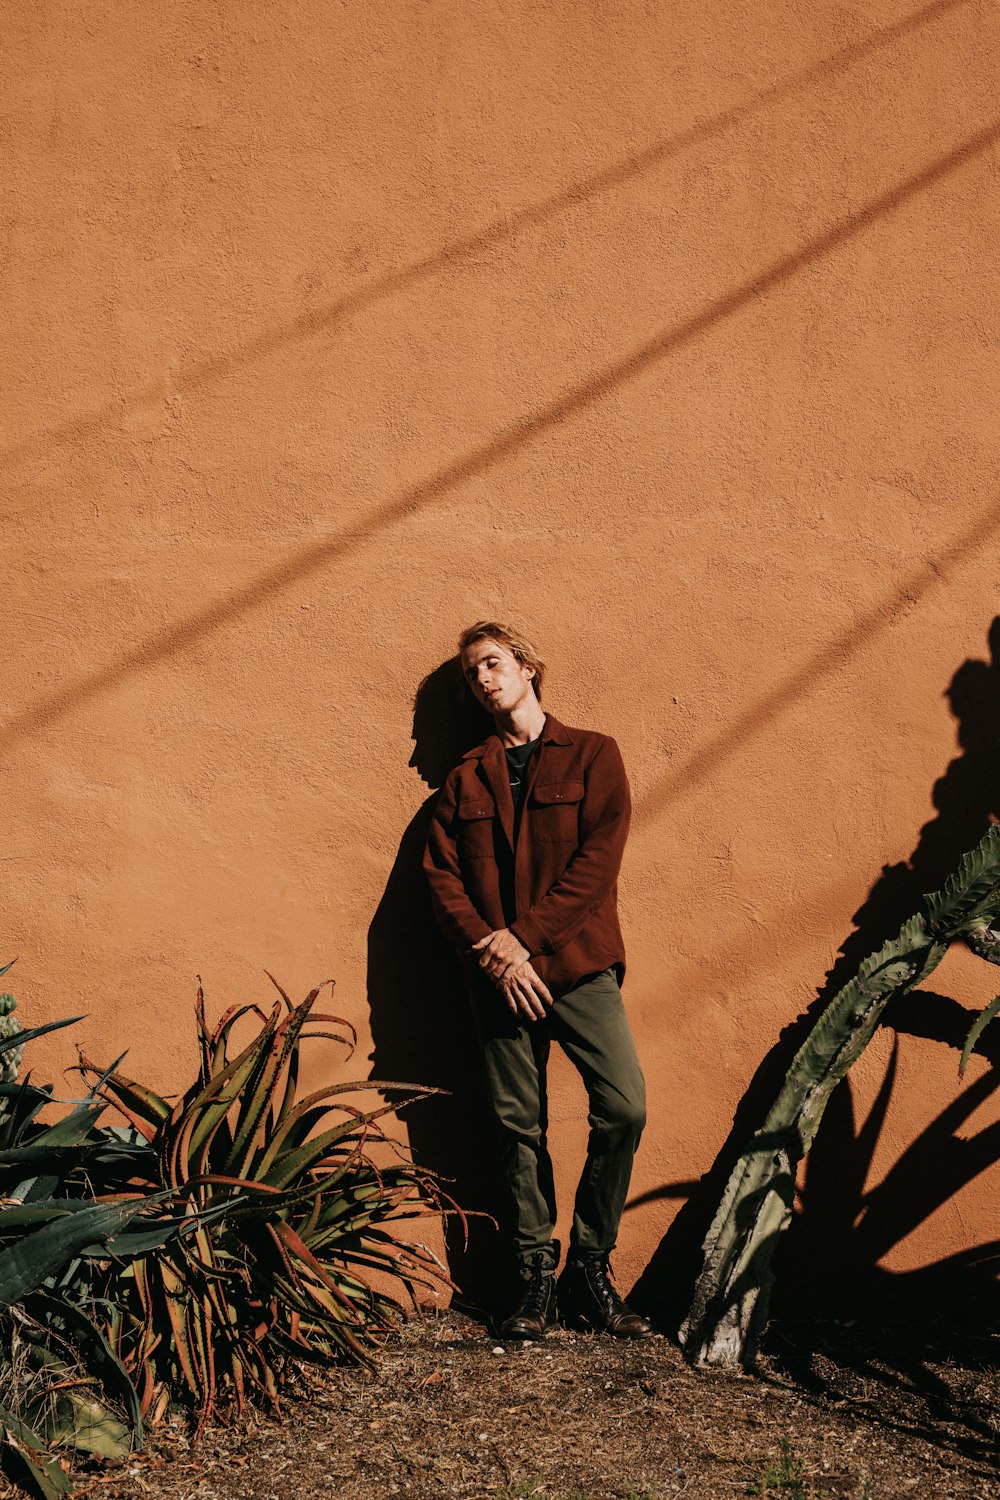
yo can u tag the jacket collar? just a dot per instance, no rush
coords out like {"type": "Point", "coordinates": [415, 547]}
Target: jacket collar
{"type": "Point", "coordinates": [554, 733]}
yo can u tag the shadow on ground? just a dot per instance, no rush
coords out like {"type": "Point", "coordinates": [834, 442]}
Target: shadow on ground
{"type": "Point", "coordinates": [926, 1377]}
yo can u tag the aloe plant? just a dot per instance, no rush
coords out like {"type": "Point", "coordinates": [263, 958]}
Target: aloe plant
{"type": "Point", "coordinates": [199, 1250]}
{"type": "Point", "coordinates": [61, 1385]}
{"type": "Point", "coordinates": [731, 1294]}
{"type": "Point", "coordinates": [74, 1196]}
{"type": "Point", "coordinates": [296, 1266]}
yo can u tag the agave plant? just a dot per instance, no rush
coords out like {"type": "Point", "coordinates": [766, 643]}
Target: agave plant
{"type": "Point", "coordinates": [296, 1267]}
{"type": "Point", "coordinates": [730, 1297]}
{"type": "Point", "coordinates": [61, 1384]}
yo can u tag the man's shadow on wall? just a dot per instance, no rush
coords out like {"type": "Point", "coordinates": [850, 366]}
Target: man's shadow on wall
{"type": "Point", "coordinates": [421, 1025]}
{"type": "Point", "coordinates": [829, 1255]}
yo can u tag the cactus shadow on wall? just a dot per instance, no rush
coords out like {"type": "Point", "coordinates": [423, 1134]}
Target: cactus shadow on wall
{"type": "Point", "coordinates": [421, 1026]}
{"type": "Point", "coordinates": [829, 1247]}
{"type": "Point", "coordinates": [845, 1329]}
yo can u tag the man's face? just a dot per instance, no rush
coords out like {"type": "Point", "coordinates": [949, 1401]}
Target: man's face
{"type": "Point", "coordinates": [497, 679]}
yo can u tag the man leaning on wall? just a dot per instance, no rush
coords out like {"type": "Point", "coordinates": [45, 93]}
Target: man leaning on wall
{"type": "Point", "coordinates": [522, 860]}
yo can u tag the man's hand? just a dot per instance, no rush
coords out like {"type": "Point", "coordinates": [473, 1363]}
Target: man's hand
{"type": "Point", "coordinates": [525, 993]}
{"type": "Point", "coordinates": [499, 953]}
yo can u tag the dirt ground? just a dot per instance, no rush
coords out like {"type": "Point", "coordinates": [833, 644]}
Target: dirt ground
{"type": "Point", "coordinates": [833, 1410]}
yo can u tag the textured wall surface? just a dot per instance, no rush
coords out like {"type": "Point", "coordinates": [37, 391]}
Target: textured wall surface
{"type": "Point", "coordinates": [666, 331]}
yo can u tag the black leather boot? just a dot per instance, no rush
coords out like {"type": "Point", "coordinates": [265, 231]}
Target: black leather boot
{"type": "Point", "coordinates": [535, 1312]}
{"type": "Point", "coordinates": [588, 1300]}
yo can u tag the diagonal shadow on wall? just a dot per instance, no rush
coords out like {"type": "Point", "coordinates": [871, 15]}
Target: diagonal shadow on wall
{"type": "Point", "coordinates": [829, 1260]}
{"type": "Point", "coordinates": [309, 324]}
{"type": "Point", "coordinates": [710, 753]}
{"type": "Point", "coordinates": [167, 643]}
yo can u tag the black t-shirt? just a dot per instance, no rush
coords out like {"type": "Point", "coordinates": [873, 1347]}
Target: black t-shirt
{"type": "Point", "coordinates": [518, 757]}
{"type": "Point", "coordinates": [518, 761]}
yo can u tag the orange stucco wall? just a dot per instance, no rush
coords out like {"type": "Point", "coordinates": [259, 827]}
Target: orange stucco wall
{"type": "Point", "coordinates": [667, 331]}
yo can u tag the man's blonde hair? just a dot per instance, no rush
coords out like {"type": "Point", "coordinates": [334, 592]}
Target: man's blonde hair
{"type": "Point", "coordinates": [522, 650]}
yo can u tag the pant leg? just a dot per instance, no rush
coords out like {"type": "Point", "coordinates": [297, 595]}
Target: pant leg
{"type": "Point", "coordinates": [514, 1058]}
{"type": "Point", "coordinates": [590, 1024]}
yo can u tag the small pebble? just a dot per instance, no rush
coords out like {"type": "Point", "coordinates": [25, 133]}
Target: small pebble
{"type": "Point", "coordinates": [499, 1349]}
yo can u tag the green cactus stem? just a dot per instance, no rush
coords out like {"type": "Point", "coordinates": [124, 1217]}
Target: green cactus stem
{"type": "Point", "coordinates": [731, 1294]}
{"type": "Point", "coordinates": [10, 1060]}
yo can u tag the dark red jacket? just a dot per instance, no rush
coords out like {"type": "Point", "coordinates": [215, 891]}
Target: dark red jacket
{"type": "Point", "coordinates": [574, 822]}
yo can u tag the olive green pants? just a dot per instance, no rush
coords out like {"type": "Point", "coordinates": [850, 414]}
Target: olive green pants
{"type": "Point", "coordinates": [590, 1025]}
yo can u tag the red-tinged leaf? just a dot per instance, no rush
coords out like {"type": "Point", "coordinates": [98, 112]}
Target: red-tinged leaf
{"type": "Point", "coordinates": [204, 1113]}
{"type": "Point", "coordinates": [200, 1323]}
{"type": "Point", "coordinates": [219, 1179]}
{"type": "Point", "coordinates": [324, 1018]}
{"type": "Point", "coordinates": [289, 1136]}
{"type": "Point", "coordinates": [292, 1075]}
{"type": "Point", "coordinates": [204, 1046]}
{"type": "Point", "coordinates": [284, 1257]}
{"type": "Point", "coordinates": [213, 1042]}
{"type": "Point", "coordinates": [160, 1407]}
{"type": "Point", "coordinates": [306, 1157]}
{"type": "Point", "coordinates": [258, 1101]}
{"type": "Point", "coordinates": [312, 1153]}
{"type": "Point", "coordinates": [428, 1274]}
{"type": "Point", "coordinates": [173, 1289]}
{"type": "Point", "coordinates": [308, 1227]}
{"type": "Point", "coordinates": [302, 1251]}
{"type": "Point", "coordinates": [291, 1087]}
{"type": "Point", "coordinates": [239, 1386]}
{"type": "Point", "coordinates": [281, 992]}
{"type": "Point", "coordinates": [141, 1278]}
{"type": "Point", "coordinates": [329, 1036]}
{"type": "Point", "coordinates": [235, 1013]}
{"type": "Point", "coordinates": [252, 1126]}
{"type": "Point", "coordinates": [303, 1117]}
{"type": "Point", "coordinates": [411, 1091]}
{"type": "Point", "coordinates": [141, 1106]}
{"type": "Point", "coordinates": [287, 1201]}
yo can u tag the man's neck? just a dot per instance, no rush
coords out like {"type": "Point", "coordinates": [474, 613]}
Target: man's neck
{"type": "Point", "coordinates": [522, 725]}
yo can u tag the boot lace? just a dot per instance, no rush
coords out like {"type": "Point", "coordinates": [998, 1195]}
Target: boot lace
{"type": "Point", "coordinates": [599, 1274]}
{"type": "Point", "coordinates": [535, 1300]}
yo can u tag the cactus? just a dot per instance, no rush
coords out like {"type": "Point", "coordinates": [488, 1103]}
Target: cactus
{"type": "Point", "coordinates": [730, 1299]}
{"type": "Point", "coordinates": [10, 1061]}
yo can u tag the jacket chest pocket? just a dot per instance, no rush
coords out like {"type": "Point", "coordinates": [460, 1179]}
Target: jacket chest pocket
{"type": "Point", "coordinates": [555, 811]}
{"type": "Point", "coordinates": [476, 819]}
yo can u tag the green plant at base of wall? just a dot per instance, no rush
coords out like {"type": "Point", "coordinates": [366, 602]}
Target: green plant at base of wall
{"type": "Point", "coordinates": [730, 1297]}
{"type": "Point", "coordinates": [66, 1208]}
{"type": "Point", "coordinates": [112, 1242]}
{"type": "Point", "coordinates": [297, 1266]}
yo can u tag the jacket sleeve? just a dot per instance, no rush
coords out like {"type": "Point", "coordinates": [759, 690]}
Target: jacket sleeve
{"type": "Point", "coordinates": [590, 876]}
{"type": "Point", "coordinates": [460, 921]}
